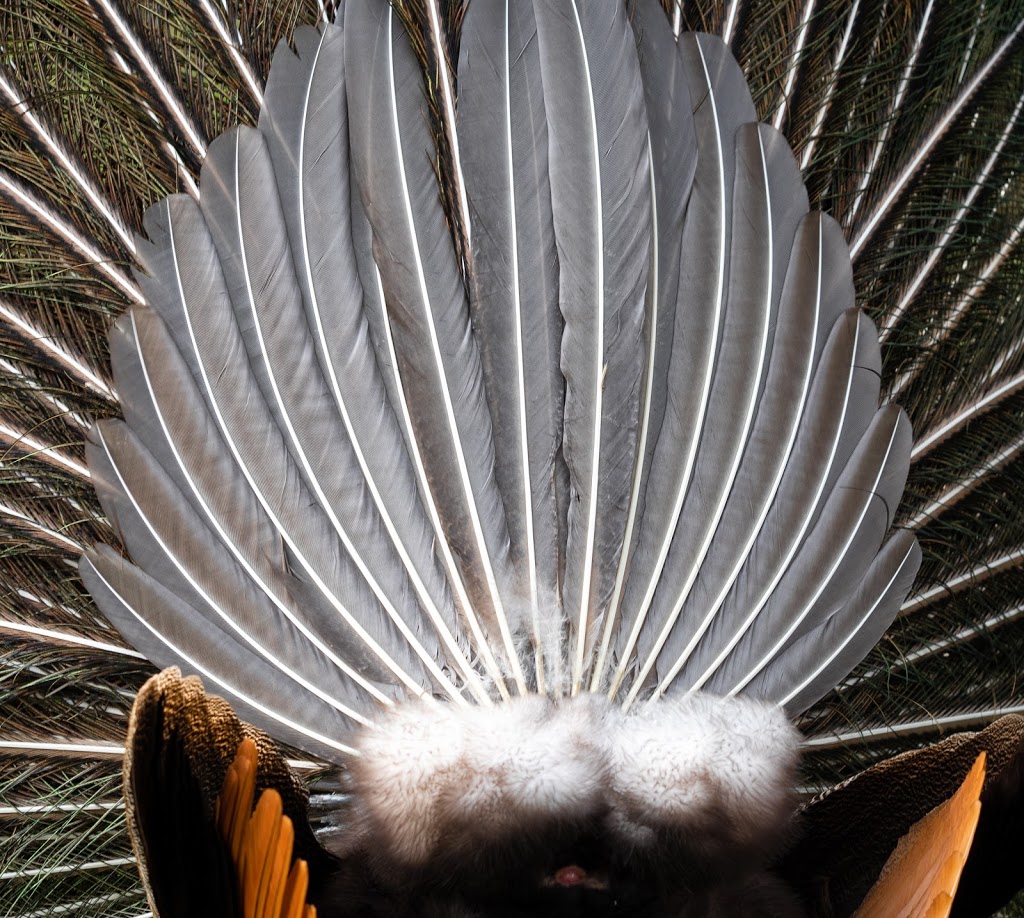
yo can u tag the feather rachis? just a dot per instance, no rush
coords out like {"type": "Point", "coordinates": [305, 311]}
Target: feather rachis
{"type": "Point", "coordinates": [794, 413]}
{"type": "Point", "coordinates": [329, 49]}
{"type": "Point", "coordinates": [422, 307]}
{"type": "Point", "coordinates": [716, 204]}
{"type": "Point", "coordinates": [275, 333]}
{"type": "Point", "coordinates": [745, 318]}
{"type": "Point", "coordinates": [96, 570]}
{"type": "Point", "coordinates": [482, 645]}
{"type": "Point", "coordinates": [938, 155]}
{"type": "Point", "coordinates": [672, 150]}
{"type": "Point", "coordinates": [209, 500]}
{"type": "Point", "coordinates": [513, 296]}
{"type": "Point", "coordinates": [826, 471]}
{"type": "Point", "coordinates": [301, 541]}
{"type": "Point", "coordinates": [602, 343]}
{"type": "Point", "coordinates": [181, 567]}
{"type": "Point", "coordinates": [875, 490]}
{"type": "Point", "coordinates": [873, 617]}
{"type": "Point", "coordinates": [645, 432]}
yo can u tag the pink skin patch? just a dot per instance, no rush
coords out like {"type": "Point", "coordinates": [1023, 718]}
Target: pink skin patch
{"type": "Point", "coordinates": [570, 876]}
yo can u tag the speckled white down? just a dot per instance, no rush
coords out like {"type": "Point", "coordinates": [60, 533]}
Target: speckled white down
{"type": "Point", "coordinates": [718, 771]}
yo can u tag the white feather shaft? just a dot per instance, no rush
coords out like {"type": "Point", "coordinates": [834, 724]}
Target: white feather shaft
{"type": "Point", "coordinates": [598, 391]}
{"type": "Point", "coordinates": [952, 318]}
{"type": "Point", "coordinates": [897, 103]}
{"type": "Point", "coordinates": [825, 103]}
{"type": "Point", "coordinates": [299, 451]}
{"type": "Point", "coordinates": [23, 441]}
{"type": "Point", "coordinates": [924, 150]}
{"type": "Point", "coordinates": [794, 63]}
{"type": "Point", "coordinates": [451, 567]}
{"type": "Point", "coordinates": [225, 537]}
{"type": "Point", "coordinates": [688, 465]}
{"type": "Point", "coordinates": [212, 679]}
{"type": "Point", "coordinates": [231, 44]}
{"type": "Point", "coordinates": [646, 405]}
{"type": "Point", "coordinates": [936, 252]}
{"type": "Point", "coordinates": [70, 166]}
{"type": "Point", "coordinates": [967, 483]}
{"type": "Point", "coordinates": [810, 503]}
{"type": "Point", "coordinates": [962, 418]}
{"type": "Point", "coordinates": [49, 343]}
{"type": "Point", "coordinates": [64, 637]}
{"type": "Point", "coordinates": [444, 77]}
{"type": "Point", "coordinates": [449, 409]}
{"type": "Point", "coordinates": [454, 652]}
{"type": "Point", "coordinates": [154, 78]}
{"type": "Point", "coordinates": [184, 570]}
{"type": "Point", "coordinates": [308, 566]}
{"type": "Point", "coordinates": [745, 421]}
{"type": "Point", "coordinates": [60, 227]}
{"type": "Point", "coordinates": [798, 620]}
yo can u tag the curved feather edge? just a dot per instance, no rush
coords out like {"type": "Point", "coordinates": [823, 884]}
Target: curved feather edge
{"type": "Point", "coordinates": [813, 665]}
{"type": "Point", "coordinates": [672, 152]}
{"type": "Point", "coordinates": [187, 289]}
{"type": "Point", "coordinates": [722, 103]}
{"type": "Point", "coordinates": [833, 558]}
{"type": "Point", "coordinates": [163, 408]}
{"type": "Point", "coordinates": [177, 550]}
{"type": "Point", "coordinates": [834, 413]}
{"type": "Point", "coordinates": [243, 213]}
{"type": "Point", "coordinates": [125, 592]}
{"type": "Point", "coordinates": [796, 414]}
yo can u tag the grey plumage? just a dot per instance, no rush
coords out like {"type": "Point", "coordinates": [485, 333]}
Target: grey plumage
{"type": "Point", "coordinates": [640, 362]}
{"type": "Point", "coordinates": [514, 301]}
{"type": "Point", "coordinates": [438, 361]}
{"type": "Point", "coordinates": [601, 204]}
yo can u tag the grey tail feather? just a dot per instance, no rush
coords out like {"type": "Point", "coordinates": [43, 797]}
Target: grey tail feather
{"type": "Point", "coordinates": [577, 422]}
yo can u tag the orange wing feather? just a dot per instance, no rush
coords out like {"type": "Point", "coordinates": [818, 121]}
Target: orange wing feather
{"type": "Point", "coordinates": [920, 878]}
{"type": "Point", "coordinates": [261, 840]}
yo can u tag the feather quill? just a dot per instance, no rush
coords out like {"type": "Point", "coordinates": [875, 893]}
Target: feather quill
{"type": "Point", "coordinates": [722, 104]}
{"type": "Point", "coordinates": [248, 228]}
{"type": "Point", "coordinates": [802, 673]}
{"type": "Point", "coordinates": [150, 617]}
{"type": "Point", "coordinates": [304, 119]}
{"type": "Point", "coordinates": [767, 202]}
{"type": "Point", "coordinates": [427, 309]}
{"type": "Point", "coordinates": [188, 290]}
{"type": "Point", "coordinates": [163, 408]}
{"type": "Point", "coordinates": [514, 299]}
{"type": "Point", "coordinates": [175, 548]}
{"type": "Point", "coordinates": [673, 161]}
{"type": "Point", "coordinates": [798, 425]}
{"type": "Point", "coordinates": [837, 551]}
{"type": "Point", "coordinates": [600, 179]}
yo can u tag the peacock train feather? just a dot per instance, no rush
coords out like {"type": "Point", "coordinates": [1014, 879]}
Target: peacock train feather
{"type": "Point", "coordinates": [522, 389]}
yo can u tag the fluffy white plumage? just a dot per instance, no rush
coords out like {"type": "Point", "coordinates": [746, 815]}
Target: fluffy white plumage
{"type": "Point", "coordinates": [696, 767]}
